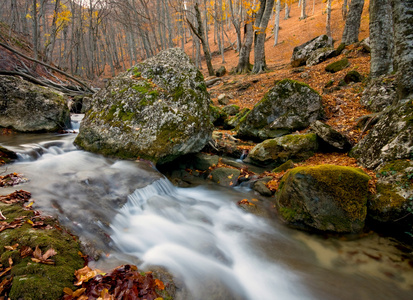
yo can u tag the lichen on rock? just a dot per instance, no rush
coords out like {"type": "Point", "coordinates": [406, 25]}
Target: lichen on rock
{"type": "Point", "coordinates": [287, 107]}
{"type": "Point", "coordinates": [158, 110]}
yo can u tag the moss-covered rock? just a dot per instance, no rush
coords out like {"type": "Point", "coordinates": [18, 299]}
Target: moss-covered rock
{"type": "Point", "coordinates": [392, 205]}
{"type": "Point", "coordinates": [158, 110]}
{"type": "Point", "coordinates": [234, 121]}
{"type": "Point", "coordinates": [27, 107]}
{"type": "Point", "coordinates": [289, 164]}
{"type": "Point", "coordinates": [390, 139]}
{"type": "Point", "coordinates": [33, 280]}
{"type": "Point", "coordinates": [353, 76]}
{"type": "Point", "coordinates": [231, 110]}
{"type": "Point", "coordinates": [296, 147]}
{"type": "Point", "coordinates": [218, 116]}
{"type": "Point", "coordinates": [287, 107]}
{"type": "Point", "coordinates": [379, 93]}
{"type": "Point", "coordinates": [324, 197]}
{"type": "Point", "coordinates": [337, 66]}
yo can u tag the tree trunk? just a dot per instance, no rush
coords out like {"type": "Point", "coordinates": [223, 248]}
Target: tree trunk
{"type": "Point", "coordinates": [303, 8]}
{"type": "Point", "coordinates": [244, 65]}
{"type": "Point", "coordinates": [328, 21]}
{"type": "Point", "coordinates": [199, 32]}
{"type": "Point", "coordinates": [403, 43]}
{"type": "Point", "coordinates": [352, 27]}
{"type": "Point", "coordinates": [277, 22]}
{"type": "Point", "coordinates": [344, 10]}
{"type": "Point", "coordinates": [287, 11]}
{"type": "Point", "coordinates": [381, 38]}
{"type": "Point", "coordinates": [237, 25]}
{"type": "Point", "coordinates": [261, 23]}
{"type": "Point", "coordinates": [35, 31]}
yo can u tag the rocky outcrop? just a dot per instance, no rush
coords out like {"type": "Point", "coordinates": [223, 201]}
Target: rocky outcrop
{"type": "Point", "coordinates": [27, 107]}
{"type": "Point", "coordinates": [302, 53]}
{"type": "Point", "coordinates": [390, 139]}
{"type": "Point", "coordinates": [379, 93]}
{"type": "Point", "coordinates": [287, 107]}
{"type": "Point", "coordinates": [234, 121]}
{"type": "Point", "coordinates": [277, 151]}
{"type": "Point", "coordinates": [392, 205]}
{"type": "Point", "coordinates": [158, 110]}
{"type": "Point", "coordinates": [231, 110]}
{"type": "Point", "coordinates": [324, 197]}
{"type": "Point", "coordinates": [320, 55]}
{"type": "Point", "coordinates": [330, 140]}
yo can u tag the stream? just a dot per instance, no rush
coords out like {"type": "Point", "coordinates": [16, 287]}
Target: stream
{"type": "Point", "coordinates": [128, 212]}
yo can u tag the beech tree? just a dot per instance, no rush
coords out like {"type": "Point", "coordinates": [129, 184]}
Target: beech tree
{"type": "Point", "coordinates": [277, 22]}
{"type": "Point", "coordinates": [352, 26]}
{"type": "Point", "coordinates": [261, 23]}
{"type": "Point", "coordinates": [381, 38]}
{"type": "Point", "coordinates": [328, 19]}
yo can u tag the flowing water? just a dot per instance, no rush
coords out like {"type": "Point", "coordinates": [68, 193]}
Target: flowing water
{"type": "Point", "coordinates": [127, 212]}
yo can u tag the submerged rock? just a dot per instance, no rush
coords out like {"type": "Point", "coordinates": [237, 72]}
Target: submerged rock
{"type": "Point", "coordinates": [277, 151]}
{"type": "Point", "coordinates": [159, 110]}
{"type": "Point", "coordinates": [324, 197]}
{"type": "Point", "coordinates": [27, 107]}
{"type": "Point", "coordinates": [303, 52]}
{"type": "Point", "coordinates": [390, 139]}
{"type": "Point", "coordinates": [287, 107]}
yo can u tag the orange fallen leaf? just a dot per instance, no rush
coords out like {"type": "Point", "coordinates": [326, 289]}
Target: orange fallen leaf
{"type": "Point", "coordinates": [159, 284]}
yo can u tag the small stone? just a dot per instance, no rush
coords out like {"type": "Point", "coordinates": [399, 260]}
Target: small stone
{"type": "Point", "coordinates": [223, 99]}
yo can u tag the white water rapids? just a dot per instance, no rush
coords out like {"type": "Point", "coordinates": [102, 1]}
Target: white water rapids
{"type": "Point", "coordinates": [216, 250]}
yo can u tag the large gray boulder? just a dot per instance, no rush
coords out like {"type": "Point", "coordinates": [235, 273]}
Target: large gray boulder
{"type": "Point", "coordinates": [287, 107]}
{"type": "Point", "coordinates": [320, 55]}
{"type": "Point", "coordinates": [277, 151]}
{"type": "Point", "coordinates": [324, 197]}
{"type": "Point", "coordinates": [390, 139]}
{"type": "Point", "coordinates": [27, 107]}
{"type": "Point", "coordinates": [158, 110]}
{"type": "Point", "coordinates": [303, 52]}
{"type": "Point", "coordinates": [379, 93]}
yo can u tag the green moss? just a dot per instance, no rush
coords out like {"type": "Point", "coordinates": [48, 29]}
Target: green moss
{"type": "Point", "coordinates": [288, 214]}
{"type": "Point", "coordinates": [387, 198]}
{"type": "Point", "coordinates": [33, 280]}
{"type": "Point", "coordinates": [289, 164]}
{"type": "Point", "coordinates": [348, 186]}
{"type": "Point", "coordinates": [337, 66]}
{"type": "Point", "coordinates": [299, 138]}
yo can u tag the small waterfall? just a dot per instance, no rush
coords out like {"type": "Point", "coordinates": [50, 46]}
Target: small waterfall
{"type": "Point", "coordinates": [32, 152]}
{"type": "Point", "coordinates": [75, 120]}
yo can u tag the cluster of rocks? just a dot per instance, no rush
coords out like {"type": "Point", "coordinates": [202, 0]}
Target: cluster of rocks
{"type": "Point", "coordinates": [160, 110]}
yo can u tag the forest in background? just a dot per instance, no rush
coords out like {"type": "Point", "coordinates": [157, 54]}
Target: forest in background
{"type": "Point", "coordinates": [98, 38]}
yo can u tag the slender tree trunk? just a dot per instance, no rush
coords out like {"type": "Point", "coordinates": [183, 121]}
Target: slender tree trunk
{"type": "Point", "coordinates": [344, 10]}
{"type": "Point", "coordinates": [35, 31]}
{"type": "Point", "coordinates": [277, 22]}
{"type": "Point", "coordinates": [221, 21]}
{"type": "Point", "coordinates": [303, 8]}
{"type": "Point", "coordinates": [381, 38]}
{"type": "Point", "coordinates": [261, 24]}
{"type": "Point", "coordinates": [328, 21]}
{"type": "Point", "coordinates": [287, 11]}
{"type": "Point", "coordinates": [352, 27]}
{"type": "Point", "coordinates": [403, 42]}
{"type": "Point", "coordinates": [199, 32]}
{"type": "Point", "coordinates": [236, 23]}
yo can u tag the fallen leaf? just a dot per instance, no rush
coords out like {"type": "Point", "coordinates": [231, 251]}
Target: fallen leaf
{"type": "Point", "coordinates": [159, 284]}
{"type": "Point", "coordinates": [78, 292]}
{"type": "Point", "coordinates": [11, 248]}
{"type": "Point", "coordinates": [5, 284]}
{"type": "Point", "coordinates": [43, 259]}
{"type": "Point", "coordinates": [68, 291]}
{"type": "Point", "coordinates": [25, 251]}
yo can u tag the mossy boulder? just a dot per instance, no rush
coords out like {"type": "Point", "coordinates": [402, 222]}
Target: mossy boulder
{"type": "Point", "coordinates": [287, 107]}
{"type": "Point", "coordinates": [353, 76]}
{"type": "Point", "coordinates": [303, 52]}
{"type": "Point", "coordinates": [225, 176]}
{"type": "Point", "coordinates": [234, 121]}
{"type": "Point", "coordinates": [260, 186]}
{"type": "Point", "coordinates": [217, 115]}
{"type": "Point", "coordinates": [27, 107]}
{"type": "Point", "coordinates": [390, 139]}
{"type": "Point", "coordinates": [392, 205]}
{"type": "Point", "coordinates": [325, 197]}
{"type": "Point", "coordinates": [33, 280]}
{"type": "Point", "coordinates": [289, 164]}
{"type": "Point", "coordinates": [158, 110]}
{"type": "Point", "coordinates": [203, 161]}
{"type": "Point", "coordinates": [330, 140]}
{"type": "Point", "coordinates": [337, 66]}
{"type": "Point", "coordinates": [231, 110]}
{"type": "Point", "coordinates": [275, 152]}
